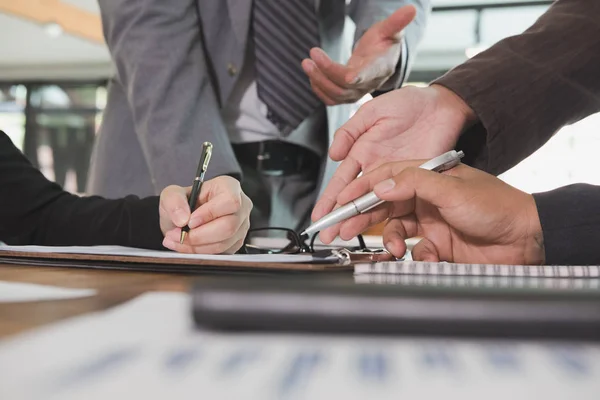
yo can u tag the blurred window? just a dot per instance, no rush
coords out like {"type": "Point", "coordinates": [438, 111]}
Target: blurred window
{"type": "Point", "coordinates": [54, 124]}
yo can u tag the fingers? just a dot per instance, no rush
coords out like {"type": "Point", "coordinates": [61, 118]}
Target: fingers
{"type": "Point", "coordinates": [360, 223]}
{"type": "Point", "coordinates": [426, 251]}
{"type": "Point", "coordinates": [219, 224]}
{"type": "Point", "coordinates": [433, 187]}
{"type": "Point", "coordinates": [360, 186]}
{"type": "Point", "coordinates": [323, 96]}
{"type": "Point", "coordinates": [220, 206]}
{"type": "Point", "coordinates": [219, 197]}
{"type": "Point", "coordinates": [348, 189]}
{"type": "Point", "coordinates": [219, 185]}
{"type": "Point", "coordinates": [396, 22]}
{"type": "Point", "coordinates": [396, 231]}
{"type": "Point", "coordinates": [200, 244]}
{"type": "Point", "coordinates": [333, 71]}
{"type": "Point", "coordinates": [347, 171]}
{"type": "Point", "coordinates": [322, 83]}
{"type": "Point", "coordinates": [221, 229]}
{"type": "Point", "coordinates": [400, 183]}
{"type": "Point", "coordinates": [174, 204]}
{"type": "Point", "coordinates": [347, 135]}
{"type": "Point", "coordinates": [365, 183]}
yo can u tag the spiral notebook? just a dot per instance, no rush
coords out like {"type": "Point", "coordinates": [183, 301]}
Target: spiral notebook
{"type": "Point", "coordinates": [478, 270]}
{"type": "Point", "coordinates": [495, 282]}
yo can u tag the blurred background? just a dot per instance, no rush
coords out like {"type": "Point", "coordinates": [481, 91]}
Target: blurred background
{"type": "Point", "coordinates": [55, 66]}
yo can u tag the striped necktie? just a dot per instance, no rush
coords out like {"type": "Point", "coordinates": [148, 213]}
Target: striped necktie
{"type": "Point", "coordinates": [284, 33]}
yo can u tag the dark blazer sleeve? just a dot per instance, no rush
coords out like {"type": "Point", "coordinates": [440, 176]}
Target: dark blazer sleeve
{"type": "Point", "coordinates": [526, 87]}
{"type": "Point", "coordinates": [36, 211]}
{"type": "Point", "coordinates": [570, 218]}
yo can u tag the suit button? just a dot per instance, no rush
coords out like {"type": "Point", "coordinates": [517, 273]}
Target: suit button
{"type": "Point", "coordinates": [231, 69]}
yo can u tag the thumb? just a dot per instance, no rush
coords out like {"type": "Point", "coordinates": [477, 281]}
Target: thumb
{"type": "Point", "coordinates": [396, 22]}
{"type": "Point", "coordinates": [174, 202]}
{"type": "Point", "coordinates": [426, 251]}
{"type": "Point", "coordinates": [347, 135]}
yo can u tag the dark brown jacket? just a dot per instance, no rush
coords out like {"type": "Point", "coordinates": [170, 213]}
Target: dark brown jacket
{"type": "Point", "coordinates": [524, 89]}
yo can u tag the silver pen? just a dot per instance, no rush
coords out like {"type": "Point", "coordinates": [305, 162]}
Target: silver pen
{"type": "Point", "coordinates": [370, 200]}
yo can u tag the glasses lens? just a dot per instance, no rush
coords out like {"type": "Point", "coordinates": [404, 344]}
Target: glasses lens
{"type": "Point", "coordinates": [272, 241]}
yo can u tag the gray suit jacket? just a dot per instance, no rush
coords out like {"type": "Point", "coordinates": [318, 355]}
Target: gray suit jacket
{"type": "Point", "coordinates": [176, 65]}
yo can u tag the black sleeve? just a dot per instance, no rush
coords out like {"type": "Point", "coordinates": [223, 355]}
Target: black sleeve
{"type": "Point", "coordinates": [34, 210]}
{"type": "Point", "coordinates": [570, 218]}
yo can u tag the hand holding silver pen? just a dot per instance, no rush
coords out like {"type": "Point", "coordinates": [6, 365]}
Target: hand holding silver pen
{"type": "Point", "coordinates": [370, 200]}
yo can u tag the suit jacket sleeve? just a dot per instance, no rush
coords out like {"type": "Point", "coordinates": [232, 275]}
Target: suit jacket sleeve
{"type": "Point", "coordinates": [570, 218]}
{"type": "Point", "coordinates": [36, 211]}
{"type": "Point", "coordinates": [365, 13]}
{"type": "Point", "coordinates": [158, 51]}
{"type": "Point", "coordinates": [526, 87]}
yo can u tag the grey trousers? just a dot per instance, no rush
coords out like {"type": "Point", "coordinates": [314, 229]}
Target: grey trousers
{"type": "Point", "coordinates": [280, 201]}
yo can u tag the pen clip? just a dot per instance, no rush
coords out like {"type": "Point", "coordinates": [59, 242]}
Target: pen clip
{"type": "Point", "coordinates": [207, 150]}
{"type": "Point", "coordinates": [205, 156]}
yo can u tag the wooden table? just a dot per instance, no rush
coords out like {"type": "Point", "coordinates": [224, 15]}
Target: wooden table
{"type": "Point", "coordinates": [113, 288]}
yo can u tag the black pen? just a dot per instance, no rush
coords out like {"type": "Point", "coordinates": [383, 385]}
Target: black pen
{"type": "Point", "coordinates": [198, 180]}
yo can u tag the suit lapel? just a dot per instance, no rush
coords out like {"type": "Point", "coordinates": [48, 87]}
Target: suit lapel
{"type": "Point", "coordinates": [240, 14]}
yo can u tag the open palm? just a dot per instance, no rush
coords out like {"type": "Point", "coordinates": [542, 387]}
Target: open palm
{"type": "Point", "coordinates": [373, 61]}
{"type": "Point", "coordinates": [410, 123]}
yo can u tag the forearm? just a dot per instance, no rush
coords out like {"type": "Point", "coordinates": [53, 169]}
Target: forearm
{"type": "Point", "coordinates": [526, 87]}
{"type": "Point", "coordinates": [570, 219]}
{"type": "Point", "coordinates": [68, 220]}
{"type": "Point", "coordinates": [34, 210]}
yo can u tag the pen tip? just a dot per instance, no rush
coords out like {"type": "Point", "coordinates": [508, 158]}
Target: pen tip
{"type": "Point", "coordinates": [182, 237]}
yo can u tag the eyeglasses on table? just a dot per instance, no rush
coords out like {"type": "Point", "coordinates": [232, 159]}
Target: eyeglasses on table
{"type": "Point", "coordinates": [285, 241]}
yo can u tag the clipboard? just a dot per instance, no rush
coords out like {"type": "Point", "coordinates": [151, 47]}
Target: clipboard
{"type": "Point", "coordinates": [173, 263]}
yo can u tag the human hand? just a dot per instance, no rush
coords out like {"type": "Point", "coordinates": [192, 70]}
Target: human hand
{"type": "Point", "coordinates": [218, 225]}
{"type": "Point", "coordinates": [464, 215]}
{"type": "Point", "coordinates": [372, 63]}
{"type": "Point", "coordinates": [403, 124]}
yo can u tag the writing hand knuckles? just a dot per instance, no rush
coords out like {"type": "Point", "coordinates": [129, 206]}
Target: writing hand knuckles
{"type": "Point", "coordinates": [234, 201]}
{"type": "Point", "coordinates": [248, 205]}
{"type": "Point", "coordinates": [238, 245]}
{"type": "Point", "coordinates": [222, 247]}
{"type": "Point", "coordinates": [248, 201]}
{"type": "Point", "coordinates": [209, 215]}
{"type": "Point", "coordinates": [231, 226]}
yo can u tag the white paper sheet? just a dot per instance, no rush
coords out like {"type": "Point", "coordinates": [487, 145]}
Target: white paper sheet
{"type": "Point", "coordinates": [148, 349]}
{"type": "Point", "coordinates": [134, 252]}
{"type": "Point", "coordinates": [374, 242]}
{"type": "Point", "coordinates": [16, 292]}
